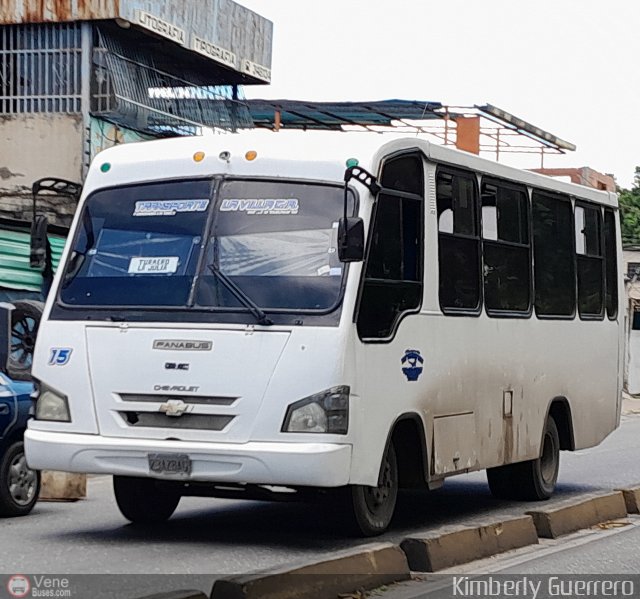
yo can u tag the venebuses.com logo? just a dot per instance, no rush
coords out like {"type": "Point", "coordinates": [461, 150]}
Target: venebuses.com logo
{"type": "Point", "coordinates": [21, 586]}
{"type": "Point", "coordinates": [18, 586]}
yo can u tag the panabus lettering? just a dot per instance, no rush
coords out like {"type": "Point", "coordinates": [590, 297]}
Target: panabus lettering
{"type": "Point", "coordinates": [182, 345]}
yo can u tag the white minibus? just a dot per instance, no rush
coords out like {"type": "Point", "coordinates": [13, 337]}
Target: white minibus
{"type": "Point", "coordinates": [235, 318]}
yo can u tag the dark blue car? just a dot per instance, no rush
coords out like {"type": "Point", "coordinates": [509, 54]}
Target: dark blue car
{"type": "Point", "coordinates": [19, 485]}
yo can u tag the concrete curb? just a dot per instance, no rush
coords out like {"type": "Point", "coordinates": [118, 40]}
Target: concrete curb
{"type": "Point", "coordinates": [571, 515]}
{"type": "Point", "coordinates": [631, 499]}
{"type": "Point", "coordinates": [368, 567]}
{"type": "Point", "coordinates": [452, 546]}
{"type": "Point", "coordinates": [371, 566]}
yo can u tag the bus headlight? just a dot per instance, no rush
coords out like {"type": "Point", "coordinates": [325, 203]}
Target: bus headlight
{"type": "Point", "coordinates": [325, 412]}
{"type": "Point", "coordinates": [51, 405]}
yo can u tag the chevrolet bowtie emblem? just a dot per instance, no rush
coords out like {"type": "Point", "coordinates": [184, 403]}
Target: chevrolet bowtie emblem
{"type": "Point", "coordinates": [174, 408]}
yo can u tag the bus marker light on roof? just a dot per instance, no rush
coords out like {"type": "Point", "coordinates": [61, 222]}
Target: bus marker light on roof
{"type": "Point", "coordinates": [198, 156]}
{"type": "Point", "coordinates": [352, 162]}
{"type": "Point", "coordinates": [226, 156]}
{"type": "Point", "coordinates": [251, 155]}
{"type": "Point", "coordinates": [106, 167]}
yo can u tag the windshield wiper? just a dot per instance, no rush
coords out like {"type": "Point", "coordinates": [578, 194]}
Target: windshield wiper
{"type": "Point", "coordinates": [258, 312]}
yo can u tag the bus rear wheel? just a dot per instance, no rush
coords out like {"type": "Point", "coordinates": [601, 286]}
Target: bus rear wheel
{"type": "Point", "coordinates": [372, 507]}
{"type": "Point", "coordinates": [533, 480]}
{"type": "Point", "coordinates": [143, 501]}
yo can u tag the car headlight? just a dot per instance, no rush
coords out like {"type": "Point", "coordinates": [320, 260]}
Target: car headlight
{"type": "Point", "coordinates": [51, 405]}
{"type": "Point", "coordinates": [325, 412]}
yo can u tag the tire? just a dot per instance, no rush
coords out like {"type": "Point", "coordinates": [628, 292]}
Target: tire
{"type": "Point", "coordinates": [371, 508]}
{"type": "Point", "coordinates": [25, 322]}
{"type": "Point", "coordinates": [19, 484]}
{"type": "Point", "coordinates": [534, 480]}
{"type": "Point", "coordinates": [143, 501]}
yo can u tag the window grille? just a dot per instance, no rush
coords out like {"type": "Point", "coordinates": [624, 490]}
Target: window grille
{"type": "Point", "coordinates": [129, 90]}
{"type": "Point", "coordinates": [40, 68]}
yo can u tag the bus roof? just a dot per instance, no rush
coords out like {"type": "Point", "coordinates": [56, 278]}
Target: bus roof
{"type": "Point", "coordinates": [320, 156]}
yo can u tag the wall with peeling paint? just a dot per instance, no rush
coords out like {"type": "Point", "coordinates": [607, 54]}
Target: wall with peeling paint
{"type": "Point", "coordinates": [35, 146]}
{"type": "Point", "coordinates": [240, 33]}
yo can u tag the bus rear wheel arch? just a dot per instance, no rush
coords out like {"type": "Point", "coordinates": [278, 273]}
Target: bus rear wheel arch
{"type": "Point", "coordinates": [532, 480]}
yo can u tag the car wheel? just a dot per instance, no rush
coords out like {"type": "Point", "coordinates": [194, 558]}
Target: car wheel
{"type": "Point", "coordinates": [19, 484]}
{"type": "Point", "coordinates": [25, 321]}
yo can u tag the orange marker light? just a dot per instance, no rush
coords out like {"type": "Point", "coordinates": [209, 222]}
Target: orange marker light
{"type": "Point", "coordinates": [199, 156]}
{"type": "Point", "coordinates": [251, 155]}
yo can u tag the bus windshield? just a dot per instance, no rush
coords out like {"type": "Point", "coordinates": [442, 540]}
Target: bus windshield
{"type": "Point", "coordinates": [164, 245]}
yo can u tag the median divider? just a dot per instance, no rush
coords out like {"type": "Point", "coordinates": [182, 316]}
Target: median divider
{"type": "Point", "coordinates": [377, 564]}
{"type": "Point", "coordinates": [368, 567]}
{"type": "Point", "coordinates": [573, 515]}
{"type": "Point", "coordinates": [452, 546]}
{"type": "Point", "coordinates": [632, 499]}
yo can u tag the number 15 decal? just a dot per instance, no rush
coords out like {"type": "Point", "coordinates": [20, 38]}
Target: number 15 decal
{"type": "Point", "coordinates": [60, 356]}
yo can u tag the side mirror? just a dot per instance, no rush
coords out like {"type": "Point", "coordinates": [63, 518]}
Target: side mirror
{"type": "Point", "coordinates": [351, 239]}
{"type": "Point", "coordinates": [38, 255]}
{"type": "Point", "coordinates": [5, 335]}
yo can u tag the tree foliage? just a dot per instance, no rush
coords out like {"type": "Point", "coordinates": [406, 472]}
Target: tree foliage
{"type": "Point", "coordinates": [630, 212]}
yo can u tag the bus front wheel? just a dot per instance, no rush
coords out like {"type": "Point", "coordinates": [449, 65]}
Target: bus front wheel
{"type": "Point", "coordinates": [372, 507]}
{"type": "Point", "coordinates": [533, 480]}
{"type": "Point", "coordinates": [143, 501]}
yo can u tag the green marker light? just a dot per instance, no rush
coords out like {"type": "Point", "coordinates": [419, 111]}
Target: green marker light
{"type": "Point", "coordinates": [106, 167]}
{"type": "Point", "coordinates": [352, 162]}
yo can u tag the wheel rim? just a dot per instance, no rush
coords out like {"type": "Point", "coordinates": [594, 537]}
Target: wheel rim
{"type": "Point", "coordinates": [22, 481]}
{"type": "Point", "coordinates": [376, 498]}
{"type": "Point", "coordinates": [23, 340]}
{"type": "Point", "coordinates": [548, 460]}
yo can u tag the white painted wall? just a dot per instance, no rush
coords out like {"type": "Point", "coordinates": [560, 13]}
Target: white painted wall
{"type": "Point", "coordinates": [33, 146]}
{"type": "Point", "coordinates": [633, 383]}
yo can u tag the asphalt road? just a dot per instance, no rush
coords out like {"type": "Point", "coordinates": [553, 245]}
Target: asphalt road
{"type": "Point", "coordinates": [214, 537]}
{"type": "Point", "coordinates": [607, 554]}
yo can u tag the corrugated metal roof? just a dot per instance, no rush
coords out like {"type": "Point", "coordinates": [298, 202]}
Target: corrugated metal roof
{"type": "Point", "coordinates": [15, 272]}
{"type": "Point", "coordinates": [297, 114]}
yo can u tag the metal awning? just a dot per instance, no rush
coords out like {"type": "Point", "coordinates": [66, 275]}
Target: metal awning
{"type": "Point", "coordinates": [495, 130]}
{"type": "Point", "coordinates": [298, 114]}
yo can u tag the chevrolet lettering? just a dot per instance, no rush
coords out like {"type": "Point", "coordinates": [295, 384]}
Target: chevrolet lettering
{"type": "Point", "coordinates": [177, 388]}
{"type": "Point", "coordinates": [182, 345]}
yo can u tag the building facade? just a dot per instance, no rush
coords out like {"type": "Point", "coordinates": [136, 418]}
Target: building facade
{"type": "Point", "coordinates": [82, 75]}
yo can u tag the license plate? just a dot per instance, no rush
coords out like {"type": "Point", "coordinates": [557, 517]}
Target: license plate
{"type": "Point", "coordinates": [169, 463]}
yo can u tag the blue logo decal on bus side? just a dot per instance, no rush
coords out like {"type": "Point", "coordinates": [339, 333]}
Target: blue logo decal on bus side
{"type": "Point", "coordinates": [60, 356]}
{"type": "Point", "coordinates": [412, 364]}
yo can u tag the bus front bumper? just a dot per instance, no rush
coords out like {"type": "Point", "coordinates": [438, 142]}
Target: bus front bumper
{"type": "Point", "coordinates": [255, 462]}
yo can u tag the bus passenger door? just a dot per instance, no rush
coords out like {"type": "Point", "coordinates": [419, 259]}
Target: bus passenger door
{"type": "Point", "coordinates": [391, 342]}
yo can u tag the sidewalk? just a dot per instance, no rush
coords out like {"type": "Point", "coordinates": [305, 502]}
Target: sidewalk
{"type": "Point", "coordinates": [630, 403]}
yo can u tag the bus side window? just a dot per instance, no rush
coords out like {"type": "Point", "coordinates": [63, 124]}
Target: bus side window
{"type": "Point", "coordinates": [506, 249]}
{"type": "Point", "coordinates": [392, 284]}
{"type": "Point", "coordinates": [458, 242]}
{"type": "Point", "coordinates": [554, 264]}
{"type": "Point", "coordinates": [590, 262]}
{"type": "Point", "coordinates": [611, 263]}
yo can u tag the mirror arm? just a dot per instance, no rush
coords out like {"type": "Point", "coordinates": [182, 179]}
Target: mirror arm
{"type": "Point", "coordinates": [364, 177]}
